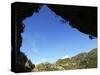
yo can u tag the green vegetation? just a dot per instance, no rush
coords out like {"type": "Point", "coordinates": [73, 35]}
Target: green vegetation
{"type": "Point", "coordinates": [80, 61]}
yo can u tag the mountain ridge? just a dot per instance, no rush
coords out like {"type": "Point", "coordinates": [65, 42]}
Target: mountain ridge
{"type": "Point", "coordinates": [80, 61]}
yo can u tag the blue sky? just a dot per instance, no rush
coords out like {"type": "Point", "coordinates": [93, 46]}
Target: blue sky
{"type": "Point", "coordinates": [46, 38]}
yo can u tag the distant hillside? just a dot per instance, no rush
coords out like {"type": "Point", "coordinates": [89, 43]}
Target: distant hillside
{"type": "Point", "coordinates": [80, 61]}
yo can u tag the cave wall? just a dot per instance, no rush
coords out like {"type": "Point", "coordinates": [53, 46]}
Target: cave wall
{"type": "Point", "coordinates": [19, 11]}
{"type": "Point", "coordinates": [82, 18]}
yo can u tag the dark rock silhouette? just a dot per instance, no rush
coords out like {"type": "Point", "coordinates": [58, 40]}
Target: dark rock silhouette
{"type": "Point", "coordinates": [82, 18]}
{"type": "Point", "coordinates": [19, 12]}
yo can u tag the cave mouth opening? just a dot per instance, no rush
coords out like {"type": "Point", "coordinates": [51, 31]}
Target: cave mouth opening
{"type": "Point", "coordinates": [21, 11]}
{"type": "Point", "coordinates": [49, 29]}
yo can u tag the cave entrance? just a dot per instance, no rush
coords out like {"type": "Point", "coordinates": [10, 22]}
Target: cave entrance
{"type": "Point", "coordinates": [48, 37]}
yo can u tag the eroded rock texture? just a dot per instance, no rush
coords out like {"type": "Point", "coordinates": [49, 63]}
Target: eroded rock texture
{"type": "Point", "coordinates": [82, 18]}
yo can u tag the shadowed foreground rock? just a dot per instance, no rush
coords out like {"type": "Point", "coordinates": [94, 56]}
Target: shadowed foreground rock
{"type": "Point", "coordinates": [82, 18]}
